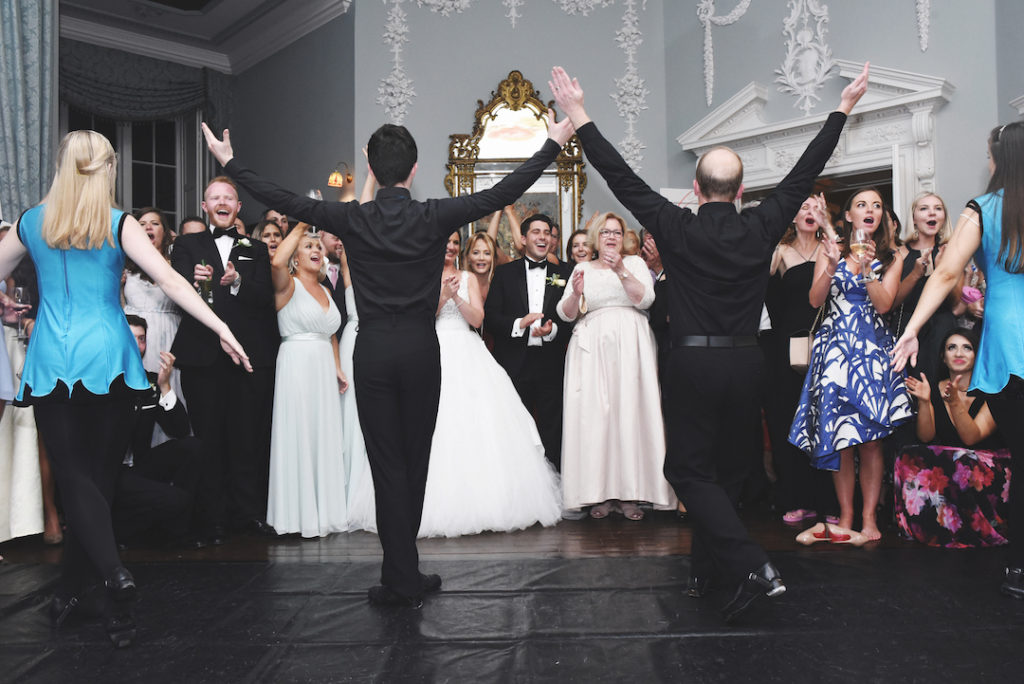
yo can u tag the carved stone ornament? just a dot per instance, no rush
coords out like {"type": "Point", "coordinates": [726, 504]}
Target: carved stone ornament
{"type": "Point", "coordinates": [808, 58]}
{"type": "Point", "coordinates": [631, 96]}
{"type": "Point", "coordinates": [507, 130]}
{"type": "Point", "coordinates": [924, 17]}
{"type": "Point", "coordinates": [395, 91]}
{"type": "Point", "coordinates": [706, 15]}
{"type": "Point", "coordinates": [893, 127]}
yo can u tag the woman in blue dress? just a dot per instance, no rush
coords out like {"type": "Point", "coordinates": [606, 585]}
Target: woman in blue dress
{"type": "Point", "coordinates": [852, 398]}
{"type": "Point", "coordinates": [991, 229]}
{"type": "Point", "coordinates": [82, 368]}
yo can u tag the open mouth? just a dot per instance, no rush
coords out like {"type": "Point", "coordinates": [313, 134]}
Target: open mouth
{"type": "Point", "coordinates": [931, 223]}
{"type": "Point", "coordinates": [869, 220]}
{"type": "Point", "coordinates": [809, 221]}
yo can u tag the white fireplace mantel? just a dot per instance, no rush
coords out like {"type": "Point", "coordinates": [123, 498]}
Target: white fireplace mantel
{"type": "Point", "coordinates": [893, 126]}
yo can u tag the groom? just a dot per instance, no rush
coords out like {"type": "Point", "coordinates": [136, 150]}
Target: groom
{"type": "Point", "coordinates": [396, 247]}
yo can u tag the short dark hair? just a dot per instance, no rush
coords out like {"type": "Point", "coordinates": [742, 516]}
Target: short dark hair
{"type": "Point", "coordinates": [391, 153]}
{"type": "Point", "coordinates": [137, 321]}
{"type": "Point", "coordinates": [524, 227]}
{"type": "Point", "coordinates": [190, 219]}
{"type": "Point", "coordinates": [712, 186]}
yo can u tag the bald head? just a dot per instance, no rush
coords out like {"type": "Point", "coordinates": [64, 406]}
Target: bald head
{"type": "Point", "coordinates": [719, 174]}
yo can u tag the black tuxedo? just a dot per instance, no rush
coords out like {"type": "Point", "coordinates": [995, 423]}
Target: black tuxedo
{"type": "Point", "coordinates": [536, 372]}
{"type": "Point", "coordinates": [338, 294]}
{"type": "Point", "coordinates": [231, 409]}
{"type": "Point", "coordinates": [161, 484]}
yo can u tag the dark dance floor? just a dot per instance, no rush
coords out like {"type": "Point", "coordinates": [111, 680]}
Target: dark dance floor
{"type": "Point", "coordinates": [609, 608]}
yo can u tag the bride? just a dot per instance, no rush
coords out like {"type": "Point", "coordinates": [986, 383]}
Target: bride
{"type": "Point", "coordinates": [487, 465]}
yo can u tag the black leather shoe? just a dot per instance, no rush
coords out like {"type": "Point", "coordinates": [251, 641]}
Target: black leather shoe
{"type": "Point", "coordinates": [120, 626]}
{"type": "Point", "coordinates": [698, 586]}
{"type": "Point", "coordinates": [1013, 585]}
{"type": "Point", "coordinates": [385, 596]}
{"type": "Point", "coordinates": [765, 581]}
{"type": "Point", "coordinates": [259, 527]}
{"type": "Point", "coordinates": [121, 586]}
{"type": "Point", "coordinates": [61, 609]}
{"type": "Point", "coordinates": [430, 583]}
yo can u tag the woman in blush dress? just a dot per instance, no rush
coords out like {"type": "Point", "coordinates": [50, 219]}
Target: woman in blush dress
{"type": "Point", "coordinates": [307, 468]}
{"type": "Point", "coordinates": [143, 298]}
{"type": "Point", "coordinates": [613, 437]}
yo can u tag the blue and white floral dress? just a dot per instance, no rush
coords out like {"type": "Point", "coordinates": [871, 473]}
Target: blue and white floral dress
{"type": "Point", "coordinates": [851, 394]}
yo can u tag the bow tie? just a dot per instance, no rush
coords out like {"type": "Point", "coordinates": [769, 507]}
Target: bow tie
{"type": "Point", "coordinates": [536, 264]}
{"type": "Point", "coordinates": [221, 232]}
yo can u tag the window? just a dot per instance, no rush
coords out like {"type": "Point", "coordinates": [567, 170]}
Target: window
{"type": "Point", "coordinates": [160, 163]}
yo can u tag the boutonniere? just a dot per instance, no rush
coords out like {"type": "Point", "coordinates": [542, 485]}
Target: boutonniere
{"type": "Point", "coordinates": [555, 280]}
{"type": "Point", "coordinates": [244, 242]}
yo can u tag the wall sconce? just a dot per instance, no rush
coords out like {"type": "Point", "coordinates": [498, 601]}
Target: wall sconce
{"type": "Point", "coordinates": [337, 179]}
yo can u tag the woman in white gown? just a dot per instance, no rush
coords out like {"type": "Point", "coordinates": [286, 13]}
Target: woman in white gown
{"type": "Point", "coordinates": [487, 465]}
{"type": "Point", "coordinates": [307, 471]}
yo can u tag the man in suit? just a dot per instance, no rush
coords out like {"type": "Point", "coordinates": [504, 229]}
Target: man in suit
{"type": "Point", "coordinates": [334, 281]}
{"type": "Point", "coordinates": [717, 264]}
{"type": "Point", "coordinates": [231, 409]}
{"type": "Point", "coordinates": [395, 247]}
{"type": "Point", "coordinates": [529, 338]}
{"type": "Point", "coordinates": [158, 485]}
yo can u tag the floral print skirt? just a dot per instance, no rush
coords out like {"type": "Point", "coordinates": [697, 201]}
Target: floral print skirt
{"type": "Point", "coordinates": [952, 497]}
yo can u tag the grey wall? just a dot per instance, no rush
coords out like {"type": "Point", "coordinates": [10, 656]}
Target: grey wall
{"type": "Point", "coordinates": [455, 61]}
{"type": "Point", "coordinates": [1010, 60]}
{"type": "Point", "coordinates": [961, 49]}
{"type": "Point", "coordinates": [293, 113]}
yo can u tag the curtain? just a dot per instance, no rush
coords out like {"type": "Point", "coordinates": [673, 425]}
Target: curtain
{"type": "Point", "coordinates": [28, 30]}
{"type": "Point", "coordinates": [127, 87]}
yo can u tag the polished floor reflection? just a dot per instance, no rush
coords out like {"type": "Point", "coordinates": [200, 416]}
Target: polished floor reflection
{"type": "Point", "coordinates": [587, 601]}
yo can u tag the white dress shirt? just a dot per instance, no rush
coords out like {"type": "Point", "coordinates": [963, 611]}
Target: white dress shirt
{"type": "Point", "coordinates": [536, 281]}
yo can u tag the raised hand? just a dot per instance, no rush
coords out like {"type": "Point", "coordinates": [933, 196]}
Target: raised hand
{"type": "Point", "coordinates": [921, 389]}
{"type": "Point", "coordinates": [201, 273]}
{"type": "Point", "coordinates": [230, 274]}
{"type": "Point", "coordinates": [853, 92]}
{"type": "Point", "coordinates": [560, 131]}
{"type": "Point", "coordinates": [905, 350]}
{"type": "Point", "coordinates": [832, 252]}
{"type": "Point", "coordinates": [450, 286]}
{"type": "Point", "coordinates": [568, 96]}
{"type": "Point", "coordinates": [221, 149]}
{"type": "Point", "coordinates": [542, 329]}
{"type": "Point", "coordinates": [577, 283]}
{"type": "Point", "coordinates": [527, 320]}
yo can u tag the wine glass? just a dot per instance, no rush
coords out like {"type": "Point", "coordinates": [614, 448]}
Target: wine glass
{"type": "Point", "coordinates": [858, 247]}
{"type": "Point", "coordinates": [22, 296]}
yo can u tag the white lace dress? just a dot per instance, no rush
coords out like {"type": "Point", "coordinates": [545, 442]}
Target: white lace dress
{"type": "Point", "coordinates": [487, 465]}
{"type": "Point", "coordinates": [613, 436]}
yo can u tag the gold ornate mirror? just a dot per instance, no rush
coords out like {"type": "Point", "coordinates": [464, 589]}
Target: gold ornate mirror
{"type": "Point", "coordinates": [507, 130]}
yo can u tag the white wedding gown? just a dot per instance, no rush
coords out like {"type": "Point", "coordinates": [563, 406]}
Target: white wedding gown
{"type": "Point", "coordinates": [487, 466]}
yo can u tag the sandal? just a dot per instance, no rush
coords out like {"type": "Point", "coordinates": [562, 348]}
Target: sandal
{"type": "Point", "coordinates": [799, 515]}
{"type": "Point", "coordinates": [601, 510]}
{"type": "Point", "coordinates": [631, 511]}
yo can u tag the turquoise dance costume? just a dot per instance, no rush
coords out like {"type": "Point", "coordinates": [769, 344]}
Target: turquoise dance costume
{"type": "Point", "coordinates": [81, 344]}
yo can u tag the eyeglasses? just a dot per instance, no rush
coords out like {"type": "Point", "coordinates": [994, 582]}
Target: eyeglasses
{"type": "Point", "coordinates": [610, 233]}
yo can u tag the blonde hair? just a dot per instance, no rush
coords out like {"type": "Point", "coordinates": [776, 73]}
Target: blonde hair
{"type": "Point", "coordinates": [293, 261]}
{"type": "Point", "coordinates": [77, 214]}
{"type": "Point", "coordinates": [597, 225]}
{"type": "Point", "coordinates": [491, 245]}
{"type": "Point", "coordinates": [910, 232]}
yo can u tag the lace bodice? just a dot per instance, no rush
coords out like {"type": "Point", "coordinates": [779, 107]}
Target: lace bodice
{"type": "Point", "coordinates": [142, 297]}
{"type": "Point", "coordinates": [449, 317]}
{"type": "Point", "coordinates": [603, 288]}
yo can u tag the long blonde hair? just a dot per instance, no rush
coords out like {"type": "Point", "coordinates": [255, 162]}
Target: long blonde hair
{"type": "Point", "coordinates": [77, 214]}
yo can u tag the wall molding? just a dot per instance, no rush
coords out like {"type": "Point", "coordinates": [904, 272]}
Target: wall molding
{"type": "Point", "coordinates": [895, 116]}
{"type": "Point", "coordinates": [1018, 104]}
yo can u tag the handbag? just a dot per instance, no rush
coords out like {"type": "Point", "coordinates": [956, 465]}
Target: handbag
{"type": "Point", "coordinates": [800, 345]}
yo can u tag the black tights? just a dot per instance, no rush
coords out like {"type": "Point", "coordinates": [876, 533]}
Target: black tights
{"type": "Point", "coordinates": [86, 443]}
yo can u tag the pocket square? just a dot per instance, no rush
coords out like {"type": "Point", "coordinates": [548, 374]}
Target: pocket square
{"type": "Point", "coordinates": [242, 257]}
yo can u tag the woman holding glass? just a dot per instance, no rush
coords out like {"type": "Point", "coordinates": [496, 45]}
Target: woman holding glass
{"type": "Point", "coordinates": [613, 437]}
{"type": "Point", "coordinates": [991, 229]}
{"type": "Point", "coordinates": [83, 370]}
{"type": "Point", "coordinates": [851, 396]}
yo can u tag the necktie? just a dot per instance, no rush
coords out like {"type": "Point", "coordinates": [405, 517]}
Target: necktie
{"type": "Point", "coordinates": [536, 264]}
{"type": "Point", "coordinates": [220, 232]}
{"type": "Point", "coordinates": [332, 273]}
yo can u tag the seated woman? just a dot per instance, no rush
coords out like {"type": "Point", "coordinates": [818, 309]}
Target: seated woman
{"type": "Point", "coordinates": [952, 489]}
{"type": "Point", "coordinates": [613, 437]}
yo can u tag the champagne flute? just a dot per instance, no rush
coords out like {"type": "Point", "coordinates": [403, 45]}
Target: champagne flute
{"type": "Point", "coordinates": [858, 247]}
{"type": "Point", "coordinates": [22, 296]}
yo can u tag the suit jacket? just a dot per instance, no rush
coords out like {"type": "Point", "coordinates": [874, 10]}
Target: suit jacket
{"type": "Point", "coordinates": [250, 314]}
{"type": "Point", "coordinates": [149, 413]}
{"type": "Point", "coordinates": [507, 300]}
{"type": "Point", "coordinates": [338, 294]}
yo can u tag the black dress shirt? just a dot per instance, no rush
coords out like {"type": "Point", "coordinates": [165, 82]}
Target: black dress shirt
{"type": "Point", "coordinates": [717, 260]}
{"type": "Point", "coordinates": [396, 244]}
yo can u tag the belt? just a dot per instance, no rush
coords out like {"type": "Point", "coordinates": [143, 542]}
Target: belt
{"type": "Point", "coordinates": [718, 341]}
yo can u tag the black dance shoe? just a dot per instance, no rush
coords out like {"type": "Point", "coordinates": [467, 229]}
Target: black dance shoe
{"type": "Point", "coordinates": [1013, 585]}
{"type": "Point", "coordinates": [765, 581]}
{"type": "Point", "coordinates": [121, 586]}
{"type": "Point", "coordinates": [381, 595]}
{"type": "Point", "coordinates": [120, 626]}
{"type": "Point", "coordinates": [260, 527]}
{"type": "Point", "coordinates": [430, 583]}
{"type": "Point", "coordinates": [698, 586]}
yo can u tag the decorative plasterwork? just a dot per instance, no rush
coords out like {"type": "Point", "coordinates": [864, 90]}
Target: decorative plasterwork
{"type": "Point", "coordinates": [262, 39]}
{"type": "Point", "coordinates": [583, 7]}
{"type": "Point", "coordinates": [395, 91]}
{"type": "Point", "coordinates": [631, 96]}
{"type": "Point", "coordinates": [513, 10]}
{"type": "Point", "coordinates": [706, 14]}
{"type": "Point", "coordinates": [1018, 104]}
{"type": "Point", "coordinates": [924, 14]}
{"type": "Point", "coordinates": [895, 116]}
{"type": "Point", "coordinates": [808, 58]}
{"type": "Point", "coordinates": [445, 7]}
